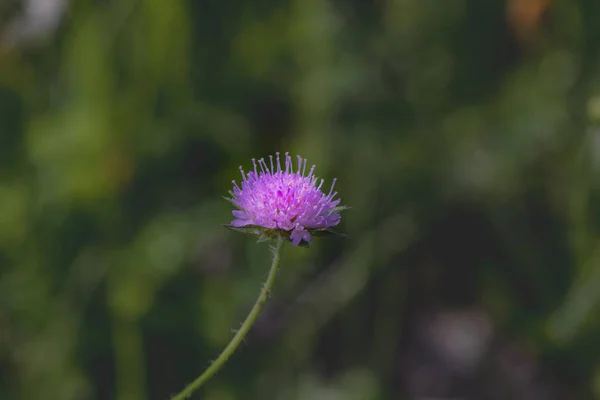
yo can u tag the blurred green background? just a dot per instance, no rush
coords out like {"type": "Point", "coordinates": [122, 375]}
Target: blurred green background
{"type": "Point", "coordinates": [465, 134]}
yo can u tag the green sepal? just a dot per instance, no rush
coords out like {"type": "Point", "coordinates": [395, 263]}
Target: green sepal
{"type": "Point", "coordinates": [248, 229]}
{"type": "Point", "coordinates": [267, 235]}
{"type": "Point", "coordinates": [265, 238]}
{"type": "Point", "coordinates": [230, 199]}
{"type": "Point", "coordinates": [264, 234]}
{"type": "Point", "coordinates": [325, 233]}
{"type": "Point", "coordinates": [338, 209]}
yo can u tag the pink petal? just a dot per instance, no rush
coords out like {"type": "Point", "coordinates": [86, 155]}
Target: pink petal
{"type": "Point", "coordinates": [240, 214]}
{"type": "Point", "coordinates": [238, 223]}
{"type": "Point", "coordinates": [298, 235]}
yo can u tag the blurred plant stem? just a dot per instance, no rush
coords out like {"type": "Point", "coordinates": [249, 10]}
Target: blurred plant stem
{"type": "Point", "coordinates": [129, 355]}
{"type": "Point", "coordinates": [241, 333]}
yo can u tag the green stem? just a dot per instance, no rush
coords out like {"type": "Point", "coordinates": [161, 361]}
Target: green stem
{"type": "Point", "coordinates": [241, 333]}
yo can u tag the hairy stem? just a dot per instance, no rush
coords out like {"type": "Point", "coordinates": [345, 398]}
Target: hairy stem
{"type": "Point", "coordinates": [241, 333]}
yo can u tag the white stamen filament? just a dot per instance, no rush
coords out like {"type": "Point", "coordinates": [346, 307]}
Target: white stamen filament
{"type": "Point", "coordinates": [278, 163]}
{"type": "Point", "coordinates": [332, 185]}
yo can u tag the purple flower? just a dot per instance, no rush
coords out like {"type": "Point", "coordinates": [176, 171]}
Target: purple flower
{"type": "Point", "coordinates": [273, 201]}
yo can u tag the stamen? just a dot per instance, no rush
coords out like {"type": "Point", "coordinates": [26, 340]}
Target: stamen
{"type": "Point", "coordinates": [332, 185]}
{"type": "Point", "coordinates": [320, 209]}
{"type": "Point", "coordinates": [263, 165]}
{"type": "Point", "coordinates": [277, 198]}
{"type": "Point", "coordinates": [321, 184]}
{"type": "Point", "coordinates": [278, 163]}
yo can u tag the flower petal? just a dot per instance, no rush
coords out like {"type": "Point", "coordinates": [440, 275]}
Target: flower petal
{"type": "Point", "coordinates": [333, 219]}
{"type": "Point", "coordinates": [240, 222]}
{"type": "Point", "coordinates": [295, 237]}
{"type": "Point", "coordinates": [298, 235]}
{"type": "Point", "coordinates": [284, 200]}
{"type": "Point", "coordinates": [240, 214]}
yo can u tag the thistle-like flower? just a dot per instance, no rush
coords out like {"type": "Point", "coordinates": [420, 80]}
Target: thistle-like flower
{"type": "Point", "coordinates": [275, 202]}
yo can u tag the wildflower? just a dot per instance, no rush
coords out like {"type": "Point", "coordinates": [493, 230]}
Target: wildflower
{"type": "Point", "coordinates": [282, 202]}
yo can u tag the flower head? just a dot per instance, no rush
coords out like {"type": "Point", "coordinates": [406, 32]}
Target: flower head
{"type": "Point", "coordinates": [274, 201]}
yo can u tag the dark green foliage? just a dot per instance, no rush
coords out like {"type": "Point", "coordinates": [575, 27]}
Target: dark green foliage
{"type": "Point", "coordinates": [463, 133]}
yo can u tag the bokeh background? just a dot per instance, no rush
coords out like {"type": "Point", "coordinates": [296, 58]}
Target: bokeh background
{"type": "Point", "coordinates": [464, 135]}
